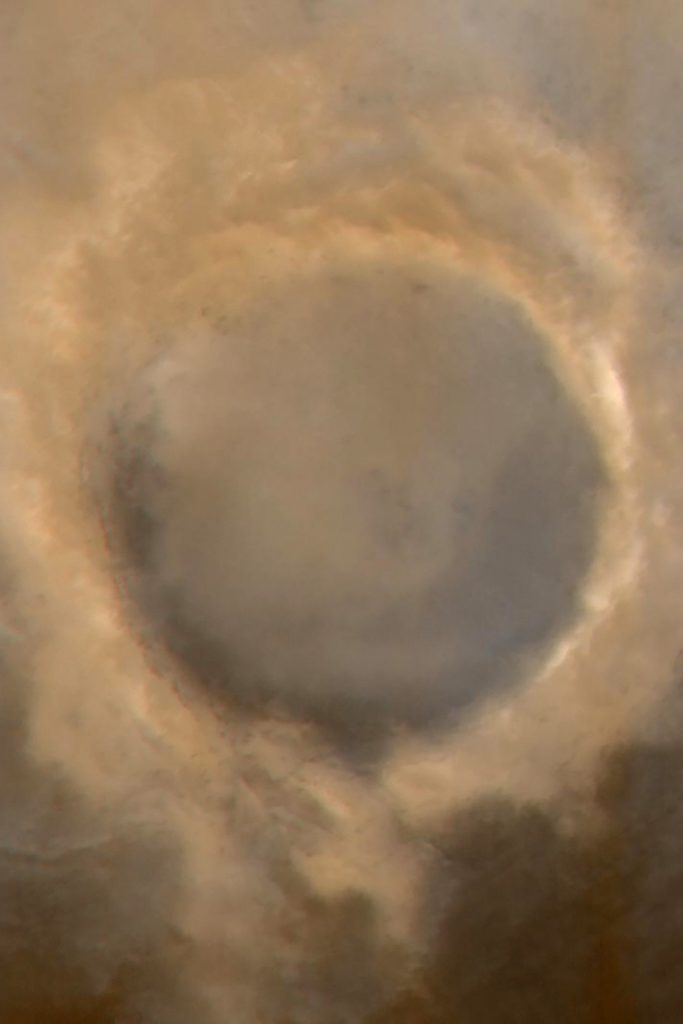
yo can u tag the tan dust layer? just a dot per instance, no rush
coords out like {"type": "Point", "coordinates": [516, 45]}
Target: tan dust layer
{"type": "Point", "coordinates": [162, 173]}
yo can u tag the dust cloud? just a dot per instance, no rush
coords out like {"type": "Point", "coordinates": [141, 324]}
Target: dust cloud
{"type": "Point", "coordinates": [340, 547]}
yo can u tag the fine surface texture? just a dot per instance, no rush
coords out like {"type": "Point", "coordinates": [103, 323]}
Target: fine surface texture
{"type": "Point", "coordinates": [341, 544]}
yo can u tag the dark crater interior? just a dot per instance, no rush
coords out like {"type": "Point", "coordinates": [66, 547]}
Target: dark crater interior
{"type": "Point", "coordinates": [368, 501]}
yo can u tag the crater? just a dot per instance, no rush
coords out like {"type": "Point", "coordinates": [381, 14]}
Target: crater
{"type": "Point", "coordinates": [366, 500]}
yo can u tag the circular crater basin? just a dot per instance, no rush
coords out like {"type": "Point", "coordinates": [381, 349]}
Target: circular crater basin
{"type": "Point", "coordinates": [366, 499]}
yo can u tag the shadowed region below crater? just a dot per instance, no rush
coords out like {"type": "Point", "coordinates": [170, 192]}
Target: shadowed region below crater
{"type": "Point", "coordinates": [365, 500]}
{"type": "Point", "coordinates": [544, 925]}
